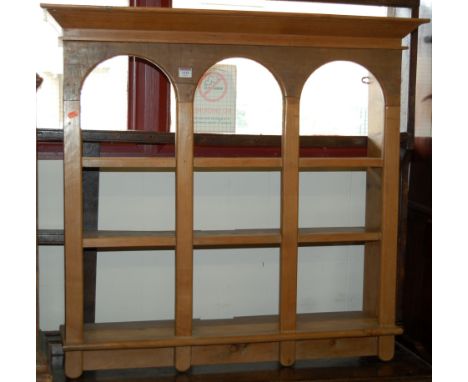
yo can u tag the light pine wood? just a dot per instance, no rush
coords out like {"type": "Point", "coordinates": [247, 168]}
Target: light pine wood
{"type": "Point", "coordinates": [338, 163]}
{"type": "Point", "coordinates": [122, 163]}
{"type": "Point", "coordinates": [291, 46]}
{"type": "Point", "coordinates": [128, 358]}
{"type": "Point", "coordinates": [129, 239]}
{"type": "Point", "coordinates": [184, 231]}
{"type": "Point", "coordinates": [388, 263]}
{"type": "Point", "coordinates": [386, 349]}
{"type": "Point", "coordinates": [73, 363]}
{"type": "Point", "coordinates": [289, 226]}
{"type": "Point", "coordinates": [337, 235]}
{"type": "Point", "coordinates": [167, 163]}
{"type": "Point", "coordinates": [226, 354]}
{"type": "Point", "coordinates": [239, 237]}
{"type": "Point", "coordinates": [382, 212]}
{"type": "Point", "coordinates": [376, 129]}
{"type": "Point", "coordinates": [242, 163]}
{"type": "Point", "coordinates": [227, 238]}
{"type": "Point", "coordinates": [73, 221]}
{"type": "Point", "coordinates": [235, 353]}
{"type": "Point", "coordinates": [180, 342]}
{"type": "Point", "coordinates": [91, 23]}
{"type": "Point", "coordinates": [231, 39]}
{"type": "Point", "coordinates": [255, 329]}
{"type": "Point", "coordinates": [333, 348]}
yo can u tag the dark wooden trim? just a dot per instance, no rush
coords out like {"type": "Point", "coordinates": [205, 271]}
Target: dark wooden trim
{"type": "Point", "coordinates": [90, 222]}
{"type": "Point", "coordinates": [420, 208]}
{"type": "Point", "coordinates": [125, 143]}
{"type": "Point", "coordinates": [151, 3]}
{"type": "Point", "coordinates": [413, 64]}
{"type": "Point", "coordinates": [51, 341]}
{"type": "Point", "coordinates": [417, 282]}
{"type": "Point", "coordinates": [50, 237]}
{"type": "Point", "coordinates": [202, 139]}
{"type": "Point", "coordinates": [134, 143]}
{"type": "Point", "coordinates": [205, 139]}
{"type": "Point", "coordinates": [49, 135]}
{"type": "Point", "coordinates": [405, 163]}
{"type": "Point", "coordinates": [39, 80]}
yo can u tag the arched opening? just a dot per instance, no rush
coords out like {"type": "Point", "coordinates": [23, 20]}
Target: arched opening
{"type": "Point", "coordinates": [237, 96]}
{"type": "Point", "coordinates": [104, 96]}
{"type": "Point", "coordinates": [123, 93]}
{"type": "Point", "coordinates": [126, 93]}
{"type": "Point", "coordinates": [340, 98]}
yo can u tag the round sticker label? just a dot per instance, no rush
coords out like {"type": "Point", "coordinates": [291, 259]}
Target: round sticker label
{"type": "Point", "coordinates": [213, 86]}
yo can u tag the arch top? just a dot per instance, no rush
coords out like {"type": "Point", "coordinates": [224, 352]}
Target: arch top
{"type": "Point", "coordinates": [80, 61]}
{"type": "Point", "coordinates": [341, 98]}
{"type": "Point", "coordinates": [341, 66]}
{"type": "Point", "coordinates": [256, 64]}
{"type": "Point", "coordinates": [242, 94]}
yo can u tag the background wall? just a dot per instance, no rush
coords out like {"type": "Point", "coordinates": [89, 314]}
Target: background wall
{"type": "Point", "coordinates": [139, 285]}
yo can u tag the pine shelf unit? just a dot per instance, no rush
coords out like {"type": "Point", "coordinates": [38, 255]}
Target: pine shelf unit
{"type": "Point", "coordinates": [291, 46]}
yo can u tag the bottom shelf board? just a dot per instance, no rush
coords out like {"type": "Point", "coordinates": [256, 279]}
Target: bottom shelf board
{"type": "Point", "coordinates": [406, 366]}
{"type": "Point", "coordinates": [239, 330]}
{"type": "Point", "coordinates": [229, 354]}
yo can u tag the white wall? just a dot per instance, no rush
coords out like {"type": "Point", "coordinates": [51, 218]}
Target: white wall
{"type": "Point", "coordinates": [139, 285]}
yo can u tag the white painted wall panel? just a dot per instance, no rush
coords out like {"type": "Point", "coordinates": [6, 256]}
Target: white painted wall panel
{"type": "Point", "coordinates": [139, 285]}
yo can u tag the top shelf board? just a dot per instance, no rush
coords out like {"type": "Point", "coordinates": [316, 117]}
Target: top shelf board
{"type": "Point", "coordinates": [194, 26]}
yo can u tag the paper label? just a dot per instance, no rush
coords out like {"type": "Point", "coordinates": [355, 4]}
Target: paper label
{"type": "Point", "coordinates": [185, 72]}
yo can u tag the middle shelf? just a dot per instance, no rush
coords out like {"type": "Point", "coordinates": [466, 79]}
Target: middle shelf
{"type": "Point", "coordinates": [227, 238]}
{"type": "Point", "coordinates": [231, 163]}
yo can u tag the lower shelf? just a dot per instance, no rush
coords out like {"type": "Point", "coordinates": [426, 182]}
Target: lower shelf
{"type": "Point", "coordinates": [239, 330]}
{"type": "Point", "coordinates": [239, 340]}
{"type": "Point", "coordinates": [229, 354]}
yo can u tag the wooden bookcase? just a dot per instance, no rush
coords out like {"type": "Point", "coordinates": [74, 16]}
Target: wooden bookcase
{"type": "Point", "coordinates": [291, 46]}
